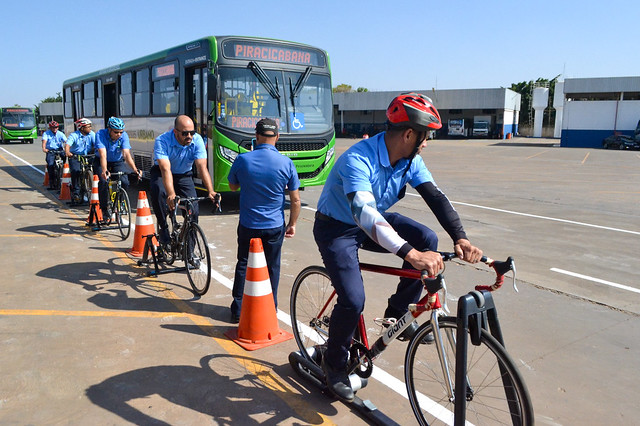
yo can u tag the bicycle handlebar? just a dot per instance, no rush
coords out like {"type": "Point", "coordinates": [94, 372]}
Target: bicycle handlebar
{"type": "Point", "coordinates": [434, 284]}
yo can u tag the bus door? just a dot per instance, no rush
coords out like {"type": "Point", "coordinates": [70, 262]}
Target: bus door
{"type": "Point", "coordinates": [196, 107]}
{"type": "Point", "coordinates": [77, 105]}
{"type": "Point", "coordinates": [110, 102]}
{"type": "Point", "coordinates": [196, 101]}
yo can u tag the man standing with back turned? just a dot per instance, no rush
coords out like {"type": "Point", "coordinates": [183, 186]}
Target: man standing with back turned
{"type": "Point", "coordinates": [264, 175]}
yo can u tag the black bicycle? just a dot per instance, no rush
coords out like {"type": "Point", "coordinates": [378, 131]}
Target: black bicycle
{"type": "Point", "coordinates": [188, 243]}
{"type": "Point", "coordinates": [55, 181]}
{"type": "Point", "coordinates": [86, 178]}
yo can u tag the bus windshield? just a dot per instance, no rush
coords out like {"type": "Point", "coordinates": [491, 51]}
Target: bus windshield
{"type": "Point", "coordinates": [18, 119]}
{"type": "Point", "coordinates": [245, 97]}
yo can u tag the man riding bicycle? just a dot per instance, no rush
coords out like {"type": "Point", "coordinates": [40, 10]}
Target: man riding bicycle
{"type": "Point", "coordinates": [175, 152]}
{"type": "Point", "coordinates": [80, 142]}
{"type": "Point", "coordinates": [113, 150]}
{"type": "Point", "coordinates": [52, 140]}
{"type": "Point", "coordinates": [365, 181]}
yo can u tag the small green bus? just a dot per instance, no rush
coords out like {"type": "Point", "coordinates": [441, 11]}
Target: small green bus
{"type": "Point", "coordinates": [18, 124]}
{"type": "Point", "coordinates": [226, 84]}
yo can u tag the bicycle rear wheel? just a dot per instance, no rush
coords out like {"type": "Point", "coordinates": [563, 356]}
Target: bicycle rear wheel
{"type": "Point", "coordinates": [311, 304]}
{"type": "Point", "coordinates": [491, 375]}
{"type": "Point", "coordinates": [197, 258]}
{"type": "Point", "coordinates": [122, 210]}
{"type": "Point", "coordinates": [57, 177]}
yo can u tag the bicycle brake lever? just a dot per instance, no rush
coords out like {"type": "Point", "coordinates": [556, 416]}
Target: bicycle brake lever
{"type": "Point", "coordinates": [217, 204]}
{"type": "Point", "coordinates": [513, 268]}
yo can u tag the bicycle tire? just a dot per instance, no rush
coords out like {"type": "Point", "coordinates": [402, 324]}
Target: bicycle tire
{"type": "Point", "coordinates": [122, 210]}
{"type": "Point", "coordinates": [86, 186]}
{"type": "Point", "coordinates": [58, 176]}
{"type": "Point", "coordinates": [311, 292]}
{"type": "Point", "coordinates": [197, 258]}
{"type": "Point", "coordinates": [488, 365]}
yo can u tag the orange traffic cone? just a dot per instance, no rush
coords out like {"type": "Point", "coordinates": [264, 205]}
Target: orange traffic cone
{"type": "Point", "coordinates": [95, 212]}
{"type": "Point", "coordinates": [46, 177]}
{"type": "Point", "coordinates": [65, 192]}
{"type": "Point", "coordinates": [144, 225]}
{"type": "Point", "coordinates": [258, 318]}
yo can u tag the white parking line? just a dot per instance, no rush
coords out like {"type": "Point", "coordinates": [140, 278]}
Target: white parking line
{"type": "Point", "coordinates": [541, 217]}
{"type": "Point", "coordinates": [18, 158]}
{"type": "Point", "coordinates": [596, 280]}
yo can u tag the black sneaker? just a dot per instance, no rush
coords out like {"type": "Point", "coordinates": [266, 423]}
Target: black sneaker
{"type": "Point", "coordinates": [337, 382]}
{"type": "Point", "coordinates": [235, 319]}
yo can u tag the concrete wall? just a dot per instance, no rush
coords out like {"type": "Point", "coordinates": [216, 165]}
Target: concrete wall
{"type": "Point", "coordinates": [587, 123]}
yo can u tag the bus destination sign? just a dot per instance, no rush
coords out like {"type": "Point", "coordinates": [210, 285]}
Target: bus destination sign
{"type": "Point", "coordinates": [236, 49]}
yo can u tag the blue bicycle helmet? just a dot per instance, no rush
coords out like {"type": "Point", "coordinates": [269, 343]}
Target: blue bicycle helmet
{"type": "Point", "coordinates": [115, 123]}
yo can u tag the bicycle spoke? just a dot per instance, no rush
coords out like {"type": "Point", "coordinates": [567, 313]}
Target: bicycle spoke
{"type": "Point", "coordinates": [488, 368]}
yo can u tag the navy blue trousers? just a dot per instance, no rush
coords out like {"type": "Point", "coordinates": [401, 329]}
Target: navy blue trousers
{"type": "Point", "coordinates": [183, 186]}
{"type": "Point", "coordinates": [339, 243]}
{"type": "Point", "coordinates": [51, 161]}
{"type": "Point", "coordinates": [272, 244]}
{"type": "Point", "coordinates": [103, 185]}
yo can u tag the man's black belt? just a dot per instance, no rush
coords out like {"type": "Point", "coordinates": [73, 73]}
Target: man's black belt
{"type": "Point", "coordinates": [323, 217]}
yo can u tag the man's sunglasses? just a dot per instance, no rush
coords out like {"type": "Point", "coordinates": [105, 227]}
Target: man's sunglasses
{"type": "Point", "coordinates": [188, 133]}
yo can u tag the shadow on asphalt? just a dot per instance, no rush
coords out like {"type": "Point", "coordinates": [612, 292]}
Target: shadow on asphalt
{"type": "Point", "coordinates": [237, 398]}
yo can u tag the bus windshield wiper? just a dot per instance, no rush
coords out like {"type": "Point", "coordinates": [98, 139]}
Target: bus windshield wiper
{"type": "Point", "coordinates": [293, 92]}
{"type": "Point", "coordinates": [262, 76]}
{"type": "Point", "coordinates": [264, 79]}
{"type": "Point", "coordinates": [300, 83]}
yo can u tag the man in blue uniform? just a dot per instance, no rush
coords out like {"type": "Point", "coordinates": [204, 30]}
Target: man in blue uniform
{"type": "Point", "coordinates": [367, 179]}
{"type": "Point", "coordinates": [264, 176]}
{"type": "Point", "coordinates": [52, 140]}
{"type": "Point", "coordinates": [80, 142]}
{"type": "Point", "coordinates": [113, 150]}
{"type": "Point", "coordinates": [174, 153]}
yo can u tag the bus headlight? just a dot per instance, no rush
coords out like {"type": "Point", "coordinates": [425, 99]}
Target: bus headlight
{"type": "Point", "coordinates": [228, 154]}
{"type": "Point", "coordinates": [329, 155]}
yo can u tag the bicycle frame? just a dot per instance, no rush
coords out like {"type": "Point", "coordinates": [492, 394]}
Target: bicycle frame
{"type": "Point", "coordinates": [476, 320]}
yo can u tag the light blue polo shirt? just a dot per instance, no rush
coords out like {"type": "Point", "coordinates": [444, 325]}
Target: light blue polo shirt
{"type": "Point", "coordinates": [81, 144]}
{"type": "Point", "coordinates": [181, 157]}
{"type": "Point", "coordinates": [366, 167]}
{"type": "Point", "coordinates": [114, 148]}
{"type": "Point", "coordinates": [54, 140]}
{"type": "Point", "coordinates": [264, 175]}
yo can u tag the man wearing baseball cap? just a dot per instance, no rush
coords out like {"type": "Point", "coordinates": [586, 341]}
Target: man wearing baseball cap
{"type": "Point", "coordinates": [263, 176]}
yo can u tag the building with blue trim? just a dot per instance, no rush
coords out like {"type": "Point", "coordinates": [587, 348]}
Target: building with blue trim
{"type": "Point", "coordinates": [595, 108]}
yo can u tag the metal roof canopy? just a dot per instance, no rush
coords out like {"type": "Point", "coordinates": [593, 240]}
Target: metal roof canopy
{"type": "Point", "coordinates": [500, 98]}
{"type": "Point", "coordinates": [602, 85]}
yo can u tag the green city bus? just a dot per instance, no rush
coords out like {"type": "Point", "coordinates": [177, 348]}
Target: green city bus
{"type": "Point", "coordinates": [18, 124]}
{"type": "Point", "coordinates": [226, 84]}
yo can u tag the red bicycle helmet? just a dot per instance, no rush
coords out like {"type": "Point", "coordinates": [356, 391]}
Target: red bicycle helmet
{"type": "Point", "coordinates": [413, 110]}
{"type": "Point", "coordinates": [53, 124]}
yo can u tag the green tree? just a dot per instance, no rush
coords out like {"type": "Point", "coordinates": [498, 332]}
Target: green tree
{"type": "Point", "coordinates": [525, 89]}
{"type": "Point", "coordinates": [342, 88]}
{"type": "Point", "coordinates": [57, 98]}
{"type": "Point", "coordinates": [362, 89]}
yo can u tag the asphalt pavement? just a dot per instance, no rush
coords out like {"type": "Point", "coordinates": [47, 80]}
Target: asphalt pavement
{"type": "Point", "coordinates": [87, 338]}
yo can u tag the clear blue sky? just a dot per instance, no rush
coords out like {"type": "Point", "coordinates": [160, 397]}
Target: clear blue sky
{"type": "Point", "coordinates": [380, 45]}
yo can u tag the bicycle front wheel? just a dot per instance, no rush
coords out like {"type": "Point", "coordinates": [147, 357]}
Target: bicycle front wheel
{"type": "Point", "coordinates": [311, 304]}
{"type": "Point", "coordinates": [491, 376]}
{"type": "Point", "coordinates": [86, 186]}
{"type": "Point", "coordinates": [197, 258]}
{"type": "Point", "coordinates": [122, 210]}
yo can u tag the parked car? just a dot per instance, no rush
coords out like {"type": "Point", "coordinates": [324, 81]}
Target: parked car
{"type": "Point", "coordinates": [620, 142]}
